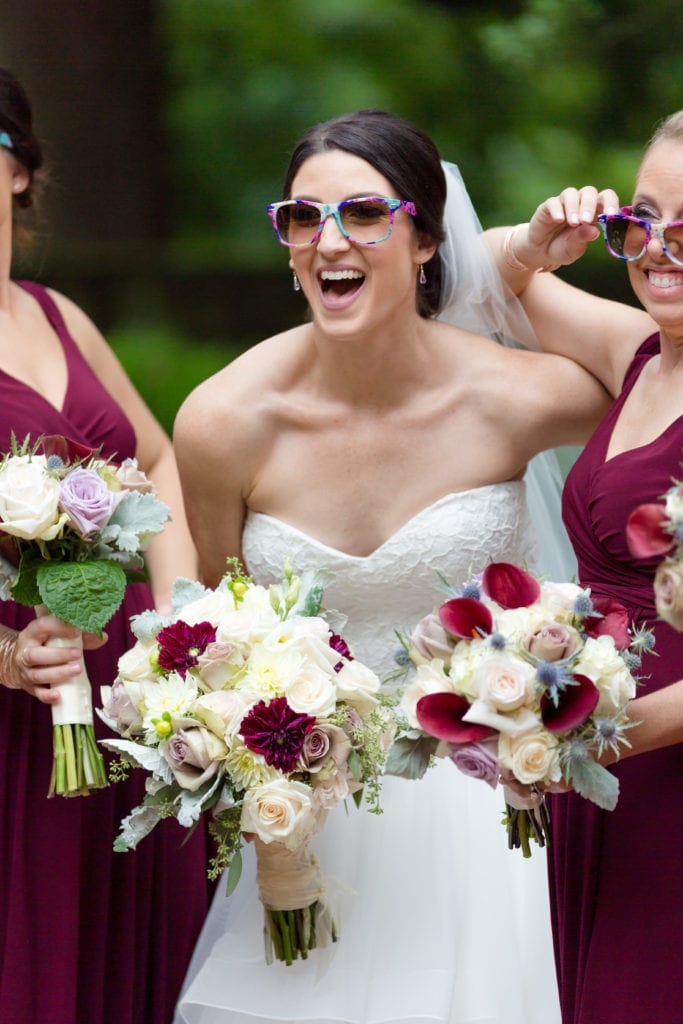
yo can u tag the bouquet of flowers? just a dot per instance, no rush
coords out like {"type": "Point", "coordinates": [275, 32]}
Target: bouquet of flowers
{"type": "Point", "coordinates": [656, 529]}
{"type": "Point", "coordinates": [72, 530]}
{"type": "Point", "coordinates": [520, 680]}
{"type": "Point", "coordinates": [248, 705]}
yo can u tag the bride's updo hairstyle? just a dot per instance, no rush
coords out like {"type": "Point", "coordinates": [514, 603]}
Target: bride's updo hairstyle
{"type": "Point", "coordinates": [17, 121]}
{"type": "Point", "coordinates": [406, 157]}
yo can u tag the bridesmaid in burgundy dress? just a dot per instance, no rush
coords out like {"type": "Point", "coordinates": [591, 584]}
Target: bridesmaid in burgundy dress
{"type": "Point", "coordinates": [616, 877]}
{"type": "Point", "coordinates": [87, 936]}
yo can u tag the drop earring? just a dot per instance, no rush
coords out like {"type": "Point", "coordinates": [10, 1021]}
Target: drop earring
{"type": "Point", "coordinates": [295, 282]}
{"type": "Point", "coordinates": [423, 277]}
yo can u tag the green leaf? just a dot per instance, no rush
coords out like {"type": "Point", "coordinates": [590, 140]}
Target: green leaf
{"type": "Point", "coordinates": [84, 594]}
{"type": "Point", "coordinates": [595, 783]}
{"type": "Point", "coordinates": [25, 587]}
{"type": "Point", "coordinates": [234, 872]}
{"type": "Point", "coordinates": [409, 758]}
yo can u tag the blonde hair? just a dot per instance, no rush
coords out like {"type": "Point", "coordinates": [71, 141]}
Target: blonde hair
{"type": "Point", "coordinates": [670, 129]}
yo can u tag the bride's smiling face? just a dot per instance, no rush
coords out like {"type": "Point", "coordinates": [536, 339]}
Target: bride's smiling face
{"type": "Point", "coordinates": [353, 287]}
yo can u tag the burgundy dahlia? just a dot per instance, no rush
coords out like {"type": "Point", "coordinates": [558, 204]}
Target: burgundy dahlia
{"type": "Point", "coordinates": [277, 732]}
{"type": "Point", "coordinates": [180, 645]}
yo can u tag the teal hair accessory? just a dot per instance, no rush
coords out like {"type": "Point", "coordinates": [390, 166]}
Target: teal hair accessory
{"type": "Point", "coordinates": [6, 141]}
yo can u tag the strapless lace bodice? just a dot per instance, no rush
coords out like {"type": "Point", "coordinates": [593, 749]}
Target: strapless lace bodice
{"type": "Point", "coordinates": [397, 584]}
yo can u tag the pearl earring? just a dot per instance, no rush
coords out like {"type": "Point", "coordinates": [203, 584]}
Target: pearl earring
{"type": "Point", "coordinates": [423, 277]}
{"type": "Point", "coordinates": [16, 186]}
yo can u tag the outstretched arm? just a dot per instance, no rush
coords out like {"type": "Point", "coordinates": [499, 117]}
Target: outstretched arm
{"type": "Point", "coordinates": [599, 334]}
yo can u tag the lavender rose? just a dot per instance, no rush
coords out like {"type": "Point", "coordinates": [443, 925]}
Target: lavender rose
{"type": "Point", "coordinates": [669, 593]}
{"type": "Point", "coordinates": [430, 640]}
{"type": "Point", "coordinates": [194, 755]}
{"type": "Point", "coordinates": [553, 642]}
{"type": "Point", "coordinates": [478, 760]}
{"type": "Point", "coordinates": [87, 500]}
{"type": "Point", "coordinates": [324, 744]}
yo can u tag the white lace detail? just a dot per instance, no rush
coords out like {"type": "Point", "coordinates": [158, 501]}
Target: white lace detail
{"type": "Point", "coordinates": [392, 587]}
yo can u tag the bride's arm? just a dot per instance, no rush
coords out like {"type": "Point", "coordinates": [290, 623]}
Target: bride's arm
{"type": "Point", "coordinates": [599, 334]}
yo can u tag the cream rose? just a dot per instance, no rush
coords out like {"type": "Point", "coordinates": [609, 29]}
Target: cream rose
{"type": "Point", "coordinates": [131, 478]}
{"type": "Point", "coordinates": [331, 791]}
{"type": "Point", "coordinates": [669, 593]}
{"type": "Point", "coordinates": [136, 664]}
{"type": "Point", "coordinates": [29, 499]}
{"type": "Point", "coordinates": [357, 685]}
{"type": "Point", "coordinates": [218, 664]}
{"type": "Point", "coordinates": [280, 812]}
{"type": "Point", "coordinates": [531, 757]}
{"type": "Point", "coordinates": [505, 683]}
{"type": "Point", "coordinates": [209, 608]}
{"type": "Point", "coordinates": [223, 711]}
{"type": "Point", "coordinates": [312, 692]}
{"type": "Point", "coordinates": [673, 505]}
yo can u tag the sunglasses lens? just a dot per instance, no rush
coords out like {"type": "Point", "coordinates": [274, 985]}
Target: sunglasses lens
{"type": "Point", "coordinates": [366, 220]}
{"type": "Point", "coordinates": [297, 223]}
{"type": "Point", "coordinates": [673, 236]}
{"type": "Point", "coordinates": [626, 238]}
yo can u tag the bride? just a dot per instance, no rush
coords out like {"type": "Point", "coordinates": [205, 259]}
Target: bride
{"type": "Point", "coordinates": [385, 445]}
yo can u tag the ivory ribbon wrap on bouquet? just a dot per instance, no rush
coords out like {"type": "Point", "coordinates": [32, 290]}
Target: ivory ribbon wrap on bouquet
{"type": "Point", "coordinates": [75, 696]}
{"type": "Point", "coordinates": [287, 879]}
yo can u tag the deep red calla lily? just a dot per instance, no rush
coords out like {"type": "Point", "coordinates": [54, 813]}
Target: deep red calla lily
{"type": "Point", "coordinates": [65, 448]}
{"type": "Point", "coordinates": [645, 533]}
{"type": "Point", "coordinates": [614, 621]}
{"type": "Point", "coordinates": [509, 586]}
{"type": "Point", "coordinates": [466, 617]}
{"type": "Point", "coordinates": [440, 715]}
{"type": "Point", "coordinates": [575, 705]}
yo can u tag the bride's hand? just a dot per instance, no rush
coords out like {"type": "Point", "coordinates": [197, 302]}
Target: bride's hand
{"type": "Point", "coordinates": [28, 663]}
{"type": "Point", "coordinates": [563, 226]}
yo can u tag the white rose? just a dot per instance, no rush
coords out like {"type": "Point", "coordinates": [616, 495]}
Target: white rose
{"type": "Point", "coordinates": [209, 608]}
{"type": "Point", "coordinates": [245, 625]}
{"type": "Point", "coordinates": [309, 635]}
{"type": "Point", "coordinates": [29, 499]}
{"type": "Point", "coordinates": [601, 662]}
{"type": "Point", "coordinates": [505, 683]}
{"type": "Point", "coordinates": [531, 757]}
{"type": "Point", "coordinates": [357, 685]}
{"type": "Point", "coordinates": [558, 598]}
{"type": "Point", "coordinates": [279, 811]}
{"type": "Point", "coordinates": [136, 664]}
{"type": "Point", "coordinates": [429, 678]}
{"type": "Point", "coordinates": [312, 693]}
{"type": "Point", "coordinates": [218, 664]}
{"type": "Point", "coordinates": [223, 710]}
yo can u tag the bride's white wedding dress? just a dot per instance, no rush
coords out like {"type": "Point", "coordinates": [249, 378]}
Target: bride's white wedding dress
{"type": "Point", "coordinates": [439, 921]}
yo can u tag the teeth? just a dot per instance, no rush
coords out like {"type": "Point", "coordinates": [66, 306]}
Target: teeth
{"type": "Point", "coordinates": [664, 280]}
{"type": "Point", "coordinates": [340, 275]}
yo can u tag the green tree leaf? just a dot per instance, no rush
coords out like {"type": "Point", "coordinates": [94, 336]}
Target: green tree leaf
{"type": "Point", "coordinates": [84, 594]}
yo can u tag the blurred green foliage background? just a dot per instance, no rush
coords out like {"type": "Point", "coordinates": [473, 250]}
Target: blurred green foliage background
{"type": "Point", "coordinates": [204, 100]}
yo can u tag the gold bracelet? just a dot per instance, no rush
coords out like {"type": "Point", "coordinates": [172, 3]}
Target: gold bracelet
{"type": "Point", "coordinates": [513, 261]}
{"type": "Point", "coordinates": [8, 643]}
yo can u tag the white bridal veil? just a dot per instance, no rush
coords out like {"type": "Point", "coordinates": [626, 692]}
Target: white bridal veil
{"type": "Point", "coordinates": [476, 299]}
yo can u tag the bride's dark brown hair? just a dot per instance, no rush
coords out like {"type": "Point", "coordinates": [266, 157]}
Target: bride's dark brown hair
{"type": "Point", "coordinates": [406, 157]}
{"type": "Point", "coordinates": [16, 120]}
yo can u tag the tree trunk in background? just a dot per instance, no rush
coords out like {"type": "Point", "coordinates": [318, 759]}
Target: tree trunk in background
{"type": "Point", "coordinates": [94, 75]}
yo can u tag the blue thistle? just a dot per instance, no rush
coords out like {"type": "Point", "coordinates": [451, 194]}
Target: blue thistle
{"type": "Point", "coordinates": [643, 640]}
{"type": "Point", "coordinates": [401, 657]}
{"type": "Point", "coordinates": [584, 606]}
{"type": "Point", "coordinates": [497, 641]}
{"type": "Point", "coordinates": [54, 462]}
{"type": "Point", "coordinates": [552, 678]}
{"type": "Point", "coordinates": [471, 589]}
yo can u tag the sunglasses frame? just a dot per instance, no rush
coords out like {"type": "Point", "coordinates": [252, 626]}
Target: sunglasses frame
{"type": "Point", "coordinates": [656, 230]}
{"type": "Point", "coordinates": [5, 141]}
{"type": "Point", "coordinates": [333, 210]}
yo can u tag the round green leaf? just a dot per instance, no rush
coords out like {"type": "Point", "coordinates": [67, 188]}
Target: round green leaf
{"type": "Point", "coordinates": [84, 594]}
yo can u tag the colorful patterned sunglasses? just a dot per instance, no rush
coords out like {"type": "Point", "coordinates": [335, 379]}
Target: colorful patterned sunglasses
{"type": "Point", "coordinates": [365, 221]}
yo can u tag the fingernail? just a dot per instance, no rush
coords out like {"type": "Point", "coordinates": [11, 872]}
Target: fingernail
{"type": "Point", "coordinates": [573, 218]}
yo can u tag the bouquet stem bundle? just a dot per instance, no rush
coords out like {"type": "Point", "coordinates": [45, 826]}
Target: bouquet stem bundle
{"type": "Point", "coordinates": [297, 918]}
{"type": "Point", "coordinates": [77, 764]}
